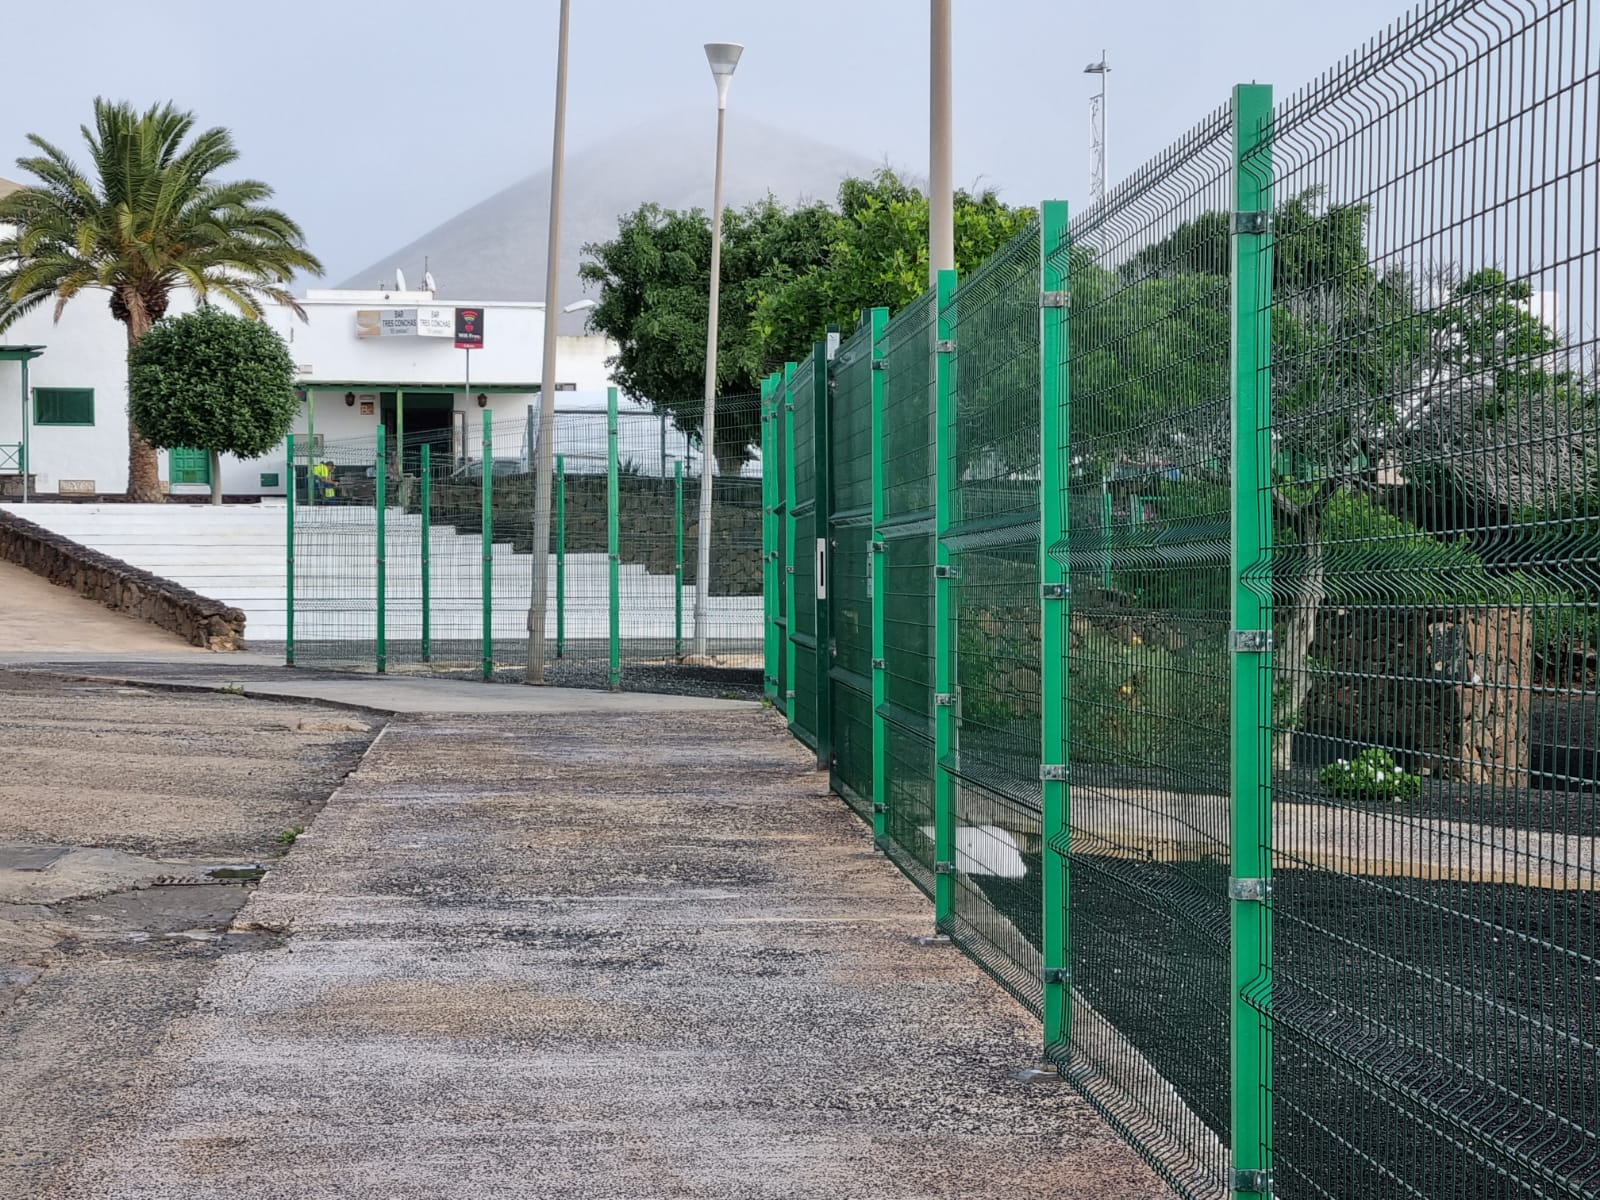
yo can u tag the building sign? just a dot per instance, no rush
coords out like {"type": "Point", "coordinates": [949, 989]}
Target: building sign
{"type": "Point", "coordinates": [469, 329]}
{"type": "Point", "coordinates": [405, 322]}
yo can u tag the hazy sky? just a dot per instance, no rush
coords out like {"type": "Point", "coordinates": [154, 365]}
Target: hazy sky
{"type": "Point", "coordinates": [376, 119]}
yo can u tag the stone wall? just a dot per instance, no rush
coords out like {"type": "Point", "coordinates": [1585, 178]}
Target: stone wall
{"type": "Point", "coordinates": [1445, 688]}
{"type": "Point", "coordinates": [113, 583]}
{"type": "Point", "coordinates": [645, 523]}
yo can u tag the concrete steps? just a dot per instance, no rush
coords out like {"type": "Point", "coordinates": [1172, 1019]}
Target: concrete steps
{"type": "Point", "coordinates": [238, 554]}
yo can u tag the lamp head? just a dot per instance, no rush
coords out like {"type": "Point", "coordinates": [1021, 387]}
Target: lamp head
{"type": "Point", "coordinates": [723, 57]}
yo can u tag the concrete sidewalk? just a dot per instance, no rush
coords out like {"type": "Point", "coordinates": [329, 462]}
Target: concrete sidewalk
{"type": "Point", "coordinates": [607, 954]}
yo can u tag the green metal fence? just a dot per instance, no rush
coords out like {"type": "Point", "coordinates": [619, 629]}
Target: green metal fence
{"type": "Point", "coordinates": [438, 577]}
{"type": "Point", "coordinates": [1206, 616]}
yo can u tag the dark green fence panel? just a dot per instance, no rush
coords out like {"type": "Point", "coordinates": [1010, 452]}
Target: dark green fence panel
{"type": "Point", "coordinates": [993, 549]}
{"type": "Point", "coordinates": [1435, 442]}
{"type": "Point", "coordinates": [907, 531]}
{"type": "Point", "coordinates": [803, 714]}
{"type": "Point", "coordinates": [1148, 662]}
{"type": "Point", "coordinates": [850, 600]}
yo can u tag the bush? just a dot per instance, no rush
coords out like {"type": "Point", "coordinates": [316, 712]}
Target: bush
{"type": "Point", "coordinates": [1371, 775]}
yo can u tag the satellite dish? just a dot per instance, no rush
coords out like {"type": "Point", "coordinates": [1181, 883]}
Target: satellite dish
{"type": "Point", "coordinates": [428, 283]}
{"type": "Point", "coordinates": [399, 280]}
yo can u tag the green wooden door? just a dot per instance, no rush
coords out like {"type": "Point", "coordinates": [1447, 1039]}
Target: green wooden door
{"type": "Point", "coordinates": [188, 466]}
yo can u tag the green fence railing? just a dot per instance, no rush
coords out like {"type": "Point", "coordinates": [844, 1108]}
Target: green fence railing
{"type": "Point", "coordinates": [1201, 601]}
{"type": "Point", "coordinates": [426, 564]}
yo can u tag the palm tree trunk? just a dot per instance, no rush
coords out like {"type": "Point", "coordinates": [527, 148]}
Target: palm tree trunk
{"type": "Point", "coordinates": [144, 472]}
{"type": "Point", "coordinates": [1294, 657]}
{"type": "Point", "coordinates": [216, 477]}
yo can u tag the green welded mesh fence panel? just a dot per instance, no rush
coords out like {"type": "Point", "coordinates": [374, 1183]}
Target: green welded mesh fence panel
{"type": "Point", "coordinates": [780, 533]}
{"type": "Point", "coordinates": [1147, 553]}
{"type": "Point", "coordinates": [1435, 431]}
{"type": "Point", "coordinates": [335, 561]}
{"type": "Point", "coordinates": [803, 510]}
{"type": "Point", "coordinates": [908, 532]}
{"type": "Point", "coordinates": [993, 547]}
{"type": "Point", "coordinates": [850, 570]}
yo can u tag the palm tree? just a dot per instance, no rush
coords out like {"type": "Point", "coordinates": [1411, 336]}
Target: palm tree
{"type": "Point", "coordinates": [152, 219]}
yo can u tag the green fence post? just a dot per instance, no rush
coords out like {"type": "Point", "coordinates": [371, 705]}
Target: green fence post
{"type": "Point", "coordinates": [1055, 429]}
{"type": "Point", "coordinates": [426, 505]}
{"type": "Point", "coordinates": [878, 565]}
{"type": "Point", "coordinates": [822, 427]}
{"type": "Point", "coordinates": [791, 533]}
{"type": "Point", "coordinates": [677, 558]}
{"type": "Point", "coordinates": [561, 555]}
{"type": "Point", "coordinates": [1251, 707]}
{"type": "Point", "coordinates": [944, 711]}
{"type": "Point", "coordinates": [488, 544]}
{"type": "Point", "coordinates": [769, 668]}
{"type": "Point", "coordinates": [288, 590]}
{"type": "Point", "coordinates": [1105, 532]}
{"type": "Point", "coordinates": [614, 538]}
{"type": "Point", "coordinates": [380, 501]}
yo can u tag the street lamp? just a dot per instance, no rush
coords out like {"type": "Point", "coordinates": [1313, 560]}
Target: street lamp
{"type": "Point", "coordinates": [544, 472]}
{"type": "Point", "coordinates": [941, 172]}
{"type": "Point", "coordinates": [579, 306]}
{"type": "Point", "coordinates": [723, 57]}
{"type": "Point", "coordinates": [1097, 131]}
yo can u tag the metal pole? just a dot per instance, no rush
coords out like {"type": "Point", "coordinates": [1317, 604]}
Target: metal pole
{"type": "Point", "coordinates": [1055, 797]}
{"type": "Point", "coordinates": [400, 436]}
{"type": "Point", "coordinates": [311, 447]}
{"type": "Point", "coordinates": [677, 559]}
{"type": "Point", "coordinates": [545, 470]}
{"type": "Point", "coordinates": [1250, 909]}
{"type": "Point", "coordinates": [944, 712]}
{"type": "Point", "coordinates": [702, 582]}
{"type": "Point", "coordinates": [288, 582]}
{"type": "Point", "coordinates": [941, 171]}
{"type": "Point", "coordinates": [25, 422]}
{"type": "Point", "coordinates": [561, 556]}
{"type": "Point", "coordinates": [381, 493]}
{"type": "Point", "coordinates": [487, 583]}
{"type": "Point", "coordinates": [613, 539]}
{"type": "Point", "coordinates": [878, 565]}
{"type": "Point", "coordinates": [427, 556]}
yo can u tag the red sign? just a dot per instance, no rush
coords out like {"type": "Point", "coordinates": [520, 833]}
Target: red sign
{"type": "Point", "coordinates": [469, 329]}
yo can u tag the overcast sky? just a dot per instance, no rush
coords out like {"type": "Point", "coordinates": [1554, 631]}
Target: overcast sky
{"type": "Point", "coordinates": [377, 119]}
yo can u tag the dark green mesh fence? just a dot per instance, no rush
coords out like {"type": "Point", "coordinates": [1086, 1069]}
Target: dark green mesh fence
{"type": "Point", "coordinates": [993, 549]}
{"type": "Point", "coordinates": [450, 537]}
{"type": "Point", "coordinates": [1147, 519]}
{"type": "Point", "coordinates": [1435, 439]}
{"type": "Point", "coordinates": [850, 600]}
{"type": "Point", "coordinates": [1289, 452]}
{"type": "Point", "coordinates": [908, 532]}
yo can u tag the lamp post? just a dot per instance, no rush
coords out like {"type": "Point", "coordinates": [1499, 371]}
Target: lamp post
{"type": "Point", "coordinates": [941, 172]}
{"type": "Point", "coordinates": [723, 57]}
{"type": "Point", "coordinates": [1097, 131]}
{"type": "Point", "coordinates": [544, 473]}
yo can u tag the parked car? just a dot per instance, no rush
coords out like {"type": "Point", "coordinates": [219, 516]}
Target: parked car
{"type": "Point", "coordinates": [473, 468]}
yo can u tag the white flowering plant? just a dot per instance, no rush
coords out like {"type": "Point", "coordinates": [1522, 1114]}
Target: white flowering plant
{"type": "Point", "coordinates": [1372, 775]}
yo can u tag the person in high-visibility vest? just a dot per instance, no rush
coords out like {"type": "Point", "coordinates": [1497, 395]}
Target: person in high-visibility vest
{"type": "Point", "coordinates": [324, 475]}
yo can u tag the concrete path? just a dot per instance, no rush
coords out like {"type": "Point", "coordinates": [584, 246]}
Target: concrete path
{"type": "Point", "coordinates": [597, 955]}
{"type": "Point", "coordinates": [37, 617]}
{"type": "Point", "coordinates": [264, 675]}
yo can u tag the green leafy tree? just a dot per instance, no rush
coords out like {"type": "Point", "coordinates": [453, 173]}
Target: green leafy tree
{"type": "Point", "coordinates": [211, 381]}
{"type": "Point", "coordinates": [149, 218]}
{"type": "Point", "coordinates": [787, 275]}
{"type": "Point", "coordinates": [653, 303]}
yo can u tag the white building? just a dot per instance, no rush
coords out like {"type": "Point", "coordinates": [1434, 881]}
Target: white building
{"type": "Point", "coordinates": [363, 358]}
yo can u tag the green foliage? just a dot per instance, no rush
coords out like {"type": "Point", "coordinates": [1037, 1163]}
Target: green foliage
{"type": "Point", "coordinates": [212, 381]}
{"type": "Point", "coordinates": [787, 274]}
{"type": "Point", "coordinates": [1371, 775]}
{"type": "Point", "coordinates": [150, 217]}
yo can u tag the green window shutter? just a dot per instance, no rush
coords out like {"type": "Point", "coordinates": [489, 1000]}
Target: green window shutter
{"type": "Point", "coordinates": [63, 406]}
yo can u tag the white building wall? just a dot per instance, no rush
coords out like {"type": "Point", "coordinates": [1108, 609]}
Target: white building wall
{"type": "Point", "coordinates": [87, 348]}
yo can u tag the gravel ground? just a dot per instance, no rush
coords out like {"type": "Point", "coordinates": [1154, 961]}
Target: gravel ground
{"type": "Point", "coordinates": [615, 955]}
{"type": "Point", "coordinates": [95, 965]}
